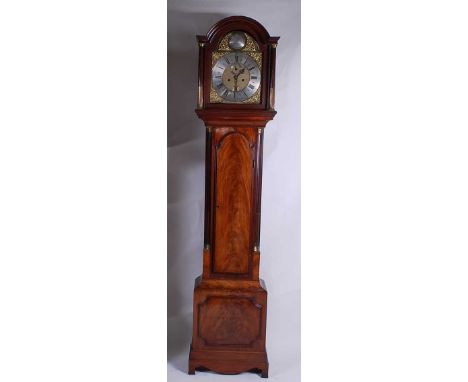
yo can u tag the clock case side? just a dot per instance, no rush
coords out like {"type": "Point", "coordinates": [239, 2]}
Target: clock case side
{"type": "Point", "coordinates": [209, 43]}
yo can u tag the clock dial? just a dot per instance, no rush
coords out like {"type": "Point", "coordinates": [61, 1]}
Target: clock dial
{"type": "Point", "coordinates": [235, 77]}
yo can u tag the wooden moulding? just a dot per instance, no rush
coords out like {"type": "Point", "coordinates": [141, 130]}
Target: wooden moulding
{"type": "Point", "coordinates": [235, 118]}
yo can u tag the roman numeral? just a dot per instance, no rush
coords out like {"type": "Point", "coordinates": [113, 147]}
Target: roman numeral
{"type": "Point", "coordinates": [228, 62]}
{"type": "Point", "coordinates": [222, 76]}
{"type": "Point", "coordinates": [251, 87]}
{"type": "Point", "coordinates": [226, 92]}
{"type": "Point", "coordinates": [254, 77]}
{"type": "Point", "coordinates": [219, 86]}
{"type": "Point", "coordinates": [237, 58]}
{"type": "Point", "coordinates": [252, 68]}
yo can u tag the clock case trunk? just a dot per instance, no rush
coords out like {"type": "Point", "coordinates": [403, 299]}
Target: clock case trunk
{"type": "Point", "coordinates": [230, 300]}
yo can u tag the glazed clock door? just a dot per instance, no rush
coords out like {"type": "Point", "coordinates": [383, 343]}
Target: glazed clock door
{"type": "Point", "coordinates": [233, 199]}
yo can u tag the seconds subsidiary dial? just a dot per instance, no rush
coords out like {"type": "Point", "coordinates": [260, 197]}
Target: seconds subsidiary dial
{"type": "Point", "coordinates": [235, 77]}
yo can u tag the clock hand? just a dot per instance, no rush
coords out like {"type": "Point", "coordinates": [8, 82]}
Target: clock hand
{"type": "Point", "coordinates": [240, 72]}
{"type": "Point", "coordinates": [236, 76]}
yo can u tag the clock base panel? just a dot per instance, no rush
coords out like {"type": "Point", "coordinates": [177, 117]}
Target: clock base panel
{"type": "Point", "coordinates": [229, 327]}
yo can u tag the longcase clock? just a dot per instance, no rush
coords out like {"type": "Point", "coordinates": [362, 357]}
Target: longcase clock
{"type": "Point", "coordinates": [235, 101]}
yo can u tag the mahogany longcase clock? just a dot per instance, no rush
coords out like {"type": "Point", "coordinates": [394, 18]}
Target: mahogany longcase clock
{"type": "Point", "coordinates": [235, 101]}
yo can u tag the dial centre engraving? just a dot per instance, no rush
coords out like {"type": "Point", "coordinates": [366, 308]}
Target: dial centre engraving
{"type": "Point", "coordinates": [236, 77]}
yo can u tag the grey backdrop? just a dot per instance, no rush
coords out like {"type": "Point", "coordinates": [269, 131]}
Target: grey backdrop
{"type": "Point", "coordinates": [280, 235]}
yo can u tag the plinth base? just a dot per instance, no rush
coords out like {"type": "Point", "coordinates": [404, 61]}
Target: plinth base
{"type": "Point", "coordinates": [228, 362]}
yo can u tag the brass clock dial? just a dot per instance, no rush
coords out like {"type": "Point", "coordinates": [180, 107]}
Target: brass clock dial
{"type": "Point", "coordinates": [235, 77]}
